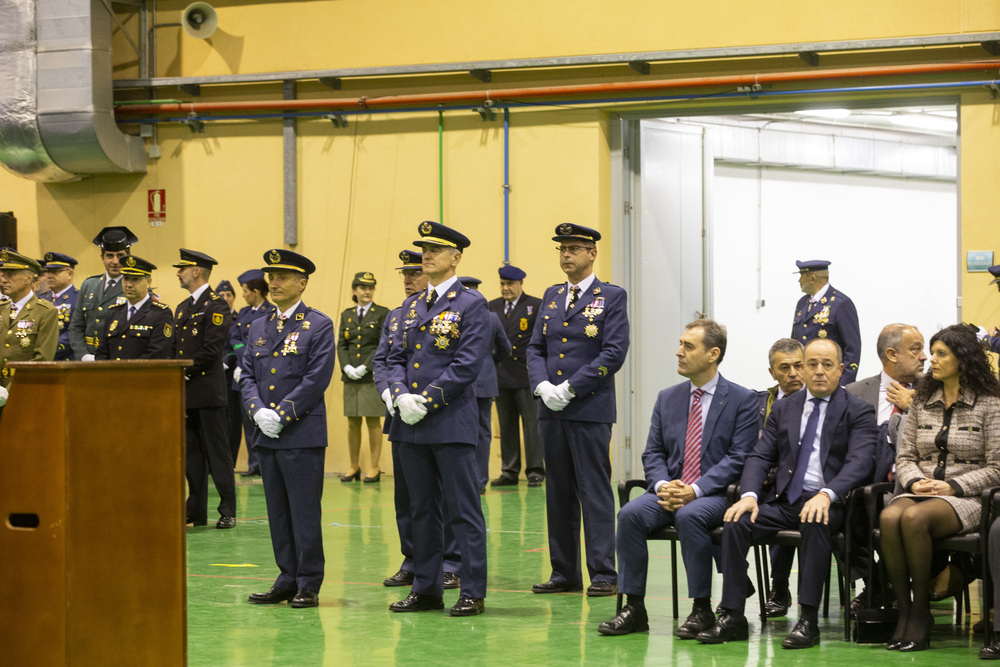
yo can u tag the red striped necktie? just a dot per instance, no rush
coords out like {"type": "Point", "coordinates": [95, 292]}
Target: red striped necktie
{"type": "Point", "coordinates": [692, 441]}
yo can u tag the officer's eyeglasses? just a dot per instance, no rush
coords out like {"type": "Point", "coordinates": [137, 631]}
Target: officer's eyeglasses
{"type": "Point", "coordinates": [571, 249]}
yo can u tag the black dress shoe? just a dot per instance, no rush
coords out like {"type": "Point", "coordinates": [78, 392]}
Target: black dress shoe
{"type": "Point", "coordinates": [304, 598]}
{"type": "Point", "coordinates": [777, 603]}
{"type": "Point", "coordinates": [729, 627]}
{"type": "Point", "coordinates": [805, 634]}
{"type": "Point", "coordinates": [534, 481]}
{"type": "Point", "coordinates": [251, 473]}
{"type": "Point", "coordinates": [418, 602]}
{"type": "Point", "coordinates": [552, 586]}
{"type": "Point", "coordinates": [990, 652]}
{"type": "Point", "coordinates": [452, 580]}
{"type": "Point", "coordinates": [602, 589]}
{"type": "Point", "coordinates": [631, 619]}
{"type": "Point", "coordinates": [467, 606]}
{"type": "Point", "coordinates": [894, 644]}
{"type": "Point", "coordinates": [401, 578]}
{"type": "Point", "coordinates": [504, 480]}
{"type": "Point", "coordinates": [697, 621]}
{"type": "Point", "coordinates": [226, 522]}
{"type": "Point", "coordinates": [273, 596]}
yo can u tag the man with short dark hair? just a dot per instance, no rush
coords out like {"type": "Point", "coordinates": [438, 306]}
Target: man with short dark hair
{"type": "Point", "coordinates": [821, 441]}
{"type": "Point", "coordinates": [101, 292]}
{"type": "Point", "coordinates": [202, 326]}
{"type": "Point", "coordinates": [517, 411]}
{"type": "Point", "coordinates": [825, 312]}
{"type": "Point", "coordinates": [701, 432]}
{"type": "Point", "coordinates": [63, 295]}
{"type": "Point", "coordinates": [255, 294]}
{"type": "Point", "coordinates": [140, 328]}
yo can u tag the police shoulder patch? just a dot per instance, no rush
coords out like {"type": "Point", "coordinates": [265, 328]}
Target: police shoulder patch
{"type": "Point", "coordinates": [217, 318]}
{"type": "Point", "coordinates": [168, 330]}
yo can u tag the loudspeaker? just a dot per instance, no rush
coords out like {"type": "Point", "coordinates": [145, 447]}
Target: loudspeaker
{"type": "Point", "coordinates": [199, 20]}
{"type": "Point", "coordinates": [8, 230]}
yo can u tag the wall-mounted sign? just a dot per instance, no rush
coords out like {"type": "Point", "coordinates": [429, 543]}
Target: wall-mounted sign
{"type": "Point", "coordinates": [156, 205]}
{"type": "Point", "coordinates": [978, 261]}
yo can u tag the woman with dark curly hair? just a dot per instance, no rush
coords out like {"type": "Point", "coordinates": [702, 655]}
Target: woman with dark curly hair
{"type": "Point", "coordinates": [947, 455]}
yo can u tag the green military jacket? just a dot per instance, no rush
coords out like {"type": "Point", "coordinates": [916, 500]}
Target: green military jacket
{"type": "Point", "coordinates": [91, 312]}
{"type": "Point", "coordinates": [32, 334]}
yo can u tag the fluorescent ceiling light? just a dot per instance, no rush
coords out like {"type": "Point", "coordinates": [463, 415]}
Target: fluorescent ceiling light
{"type": "Point", "coordinates": [933, 123]}
{"type": "Point", "coordinates": [825, 113]}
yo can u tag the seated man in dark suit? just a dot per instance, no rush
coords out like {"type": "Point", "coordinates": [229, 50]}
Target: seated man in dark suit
{"type": "Point", "coordinates": [702, 431]}
{"type": "Point", "coordinates": [822, 441]}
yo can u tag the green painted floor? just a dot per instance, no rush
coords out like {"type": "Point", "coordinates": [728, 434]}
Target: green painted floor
{"type": "Point", "coordinates": [353, 625]}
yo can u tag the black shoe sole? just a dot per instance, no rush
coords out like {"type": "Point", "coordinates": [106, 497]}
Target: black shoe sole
{"type": "Point", "coordinates": [615, 632]}
{"type": "Point", "coordinates": [410, 609]}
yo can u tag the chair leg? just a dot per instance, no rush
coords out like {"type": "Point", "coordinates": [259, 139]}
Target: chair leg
{"type": "Point", "coordinates": [761, 579]}
{"type": "Point", "coordinates": [673, 575]}
{"type": "Point", "coordinates": [826, 594]}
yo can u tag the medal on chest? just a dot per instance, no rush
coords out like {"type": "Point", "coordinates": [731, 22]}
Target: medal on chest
{"type": "Point", "coordinates": [290, 346]}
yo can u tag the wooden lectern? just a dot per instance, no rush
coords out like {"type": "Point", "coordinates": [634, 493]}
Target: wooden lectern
{"type": "Point", "coordinates": [92, 554]}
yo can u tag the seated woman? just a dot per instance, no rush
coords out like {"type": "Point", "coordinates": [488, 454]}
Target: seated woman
{"type": "Point", "coordinates": [948, 453]}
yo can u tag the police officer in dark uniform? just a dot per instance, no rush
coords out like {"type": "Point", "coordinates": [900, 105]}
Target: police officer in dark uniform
{"type": "Point", "coordinates": [579, 343]}
{"type": "Point", "coordinates": [288, 363]}
{"type": "Point", "coordinates": [234, 409]}
{"type": "Point", "coordinates": [255, 294]}
{"type": "Point", "coordinates": [517, 409]}
{"type": "Point", "coordinates": [486, 389]}
{"type": "Point", "coordinates": [826, 313]}
{"type": "Point", "coordinates": [202, 326]}
{"type": "Point", "coordinates": [99, 293]}
{"type": "Point", "coordinates": [442, 344]}
{"type": "Point", "coordinates": [63, 295]}
{"type": "Point", "coordinates": [141, 328]}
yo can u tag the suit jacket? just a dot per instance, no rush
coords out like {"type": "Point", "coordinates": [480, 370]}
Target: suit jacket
{"type": "Point", "coordinates": [586, 346]}
{"type": "Point", "coordinates": [288, 371]}
{"type": "Point", "coordinates": [65, 303]}
{"type": "Point", "coordinates": [148, 335]}
{"type": "Point", "coordinates": [438, 353]}
{"type": "Point", "coordinates": [500, 347]}
{"type": "Point", "coordinates": [201, 332]}
{"type": "Point", "coordinates": [867, 390]}
{"type": "Point", "coordinates": [847, 444]}
{"type": "Point", "coordinates": [31, 335]}
{"type": "Point", "coordinates": [358, 340]}
{"type": "Point", "coordinates": [512, 372]}
{"type": "Point", "coordinates": [91, 312]}
{"type": "Point", "coordinates": [836, 318]}
{"type": "Point", "coordinates": [728, 435]}
{"type": "Point", "coordinates": [765, 401]}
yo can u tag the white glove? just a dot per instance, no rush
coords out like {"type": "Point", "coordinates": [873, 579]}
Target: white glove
{"type": "Point", "coordinates": [268, 421]}
{"type": "Point", "coordinates": [237, 372]}
{"type": "Point", "coordinates": [411, 408]}
{"type": "Point", "coordinates": [225, 366]}
{"type": "Point", "coordinates": [387, 399]}
{"type": "Point", "coordinates": [349, 371]}
{"type": "Point", "coordinates": [356, 373]}
{"type": "Point", "coordinates": [3, 396]}
{"type": "Point", "coordinates": [564, 392]}
{"type": "Point", "coordinates": [550, 397]}
{"type": "Point", "coordinates": [87, 357]}
{"type": "Point", "coordinates": [982, 335]}
{"type": "Point", "coordinates": [360, 370]}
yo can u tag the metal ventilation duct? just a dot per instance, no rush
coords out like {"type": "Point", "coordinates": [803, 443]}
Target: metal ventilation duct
{"type": "Point", "coordinates": [56, 109]}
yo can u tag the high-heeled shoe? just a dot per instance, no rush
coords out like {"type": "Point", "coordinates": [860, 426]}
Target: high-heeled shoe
{"type": "Point", "coordinates": [353, 477]}
{"type": "Point", "coordinates": [894, 644]}
{"type": "Point", "coordinates": [375, 479]}
{"type": "Point", "coordinates": [921, 644]}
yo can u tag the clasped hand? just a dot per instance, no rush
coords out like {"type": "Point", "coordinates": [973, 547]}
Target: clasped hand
{"type": "Point", "coordinates": [556, 398]}
{"type": "Point", "coordinates": [268, 422]}
{"type": "Point", "coordinates": [932, 487]}
{"type": "Point", "coordinates": [411, 408]}
{"type": "Point", "coordinates": [674, 495]}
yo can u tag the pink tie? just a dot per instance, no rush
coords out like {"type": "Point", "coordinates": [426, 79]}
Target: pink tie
{"type": "Point", "coordinates": [692, 441]}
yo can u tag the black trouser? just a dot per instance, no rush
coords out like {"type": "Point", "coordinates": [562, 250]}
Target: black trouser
{"type": "Point", "coordinates": [206, 444]}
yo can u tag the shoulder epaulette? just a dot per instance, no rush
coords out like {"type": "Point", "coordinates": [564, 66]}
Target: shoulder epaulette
{"type": "Point", "coordinates": [157, 304]}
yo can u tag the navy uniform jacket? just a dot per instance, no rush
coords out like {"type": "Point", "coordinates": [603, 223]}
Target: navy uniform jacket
{"type": "Point", "coordinates": [148, 335]}
{"type": "Point", "coordinates": [64, 307]}
{"type": "Point", "coordinates": [438, 354]}
{"type": "Point", "coordinates": [587, 347]}
{"type": "Point", "coordinates": [357, 341]}
{"type": "Point", "coordinates": [391, 327]}
{"type": "Point", "coordinates": [200, 334]}
{"type": "Point", "coordinates": [91, 312]}
{"type": "Point", "coordinates": [847, 444]}
{"type": "Point", "coordinates": [730, 432]}
{"type": "Point", "coordinates": [239, 332]}
{"type": "Point", "coordinates": [836, 318]}
{"type": "Point", "coordinates": [288, 373]}
{"type": "Point", "coordinates": [486, 381]}
{"type": "Point", "coordinates": [512, 372]}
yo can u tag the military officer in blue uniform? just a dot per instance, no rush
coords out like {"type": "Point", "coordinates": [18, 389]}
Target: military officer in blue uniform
{"type": "Point", "coordinates": [234, 409]}
{"type": "Point", "coordinates": [826, 313]}
{"type": "Point", "coordinates": [255, 294]}
{"type": "Point", "coordinates": [140, 328]}
{"type": "Point", "coordinates": [432, 365]}
{"type": "Point", "coordinates": [287, 365]}
{"type": "Point", "coordinates": [414, 281]}
{"type": "Point", "coordinates": [486, 388]}
{"type": "Point", "coordinates": [201, 329]}
{"type": "Point", "coordinates": [579, 343]}
{"type": "Point", "coordinates": [63, 295]}
{"type": "Point", "coordinates": [99, 293]}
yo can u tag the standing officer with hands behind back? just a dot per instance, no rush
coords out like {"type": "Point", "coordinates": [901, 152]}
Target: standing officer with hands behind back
{"type": "Point", "coordinates": [287, 365]}
{"type": "Point", "coordinates": [579, 342]}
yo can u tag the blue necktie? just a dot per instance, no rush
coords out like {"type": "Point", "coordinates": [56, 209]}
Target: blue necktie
{"type": "Point", "coordinates": [805, 451]}
{"type": "Point", "coordinates": [131, 312]}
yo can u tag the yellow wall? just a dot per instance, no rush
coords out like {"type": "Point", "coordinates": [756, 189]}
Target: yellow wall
{"type": "Point", "coordinates": [364, 189]}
